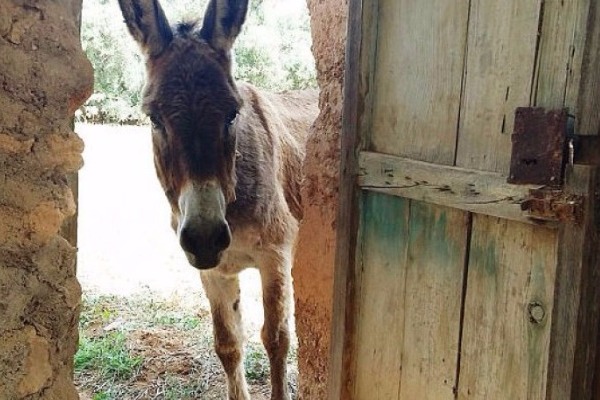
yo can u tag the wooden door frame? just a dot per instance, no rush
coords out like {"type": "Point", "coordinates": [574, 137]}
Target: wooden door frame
{"type": "Point", "coordinates": [344, 291]}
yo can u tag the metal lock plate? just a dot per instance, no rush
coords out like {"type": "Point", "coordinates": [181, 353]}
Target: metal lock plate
{"type": "Point", "coordinates": [538, 146]}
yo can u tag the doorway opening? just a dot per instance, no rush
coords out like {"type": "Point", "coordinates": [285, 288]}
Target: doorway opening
{"type": "Point", "coordinates": [145, 327]}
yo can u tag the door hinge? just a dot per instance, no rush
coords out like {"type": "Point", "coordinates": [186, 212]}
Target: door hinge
{"type": "Point", "coordinates": [584, 149]}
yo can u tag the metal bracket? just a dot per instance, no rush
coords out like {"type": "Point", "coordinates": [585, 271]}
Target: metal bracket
{"type": "Point", "coordinates": [553, 205]}
{"type": "Point", "coordinates": [586, 149]}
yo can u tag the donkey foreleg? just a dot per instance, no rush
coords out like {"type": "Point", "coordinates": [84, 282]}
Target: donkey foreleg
{"type": "Point", "coordinates": [223, 292]}
{"type": "Point", "coordinates": [277, 296]}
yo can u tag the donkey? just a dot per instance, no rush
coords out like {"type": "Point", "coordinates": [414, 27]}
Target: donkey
{"type": "Point", "coordinates": [229, 159]}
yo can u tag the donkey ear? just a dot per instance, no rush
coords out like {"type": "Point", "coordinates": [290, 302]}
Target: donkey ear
{"type": "Point", "coordinates": [147, 24]}
{"type": "Point", "coordinates": [223, 22]}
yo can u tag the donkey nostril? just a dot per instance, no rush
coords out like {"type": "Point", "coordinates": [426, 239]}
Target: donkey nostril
{"type": "Point", "coordinates": [222, 238]}
{"type": "Point", "coordinates": [186, 239]}
{"type": "Point", "coordinates": [213, 240]}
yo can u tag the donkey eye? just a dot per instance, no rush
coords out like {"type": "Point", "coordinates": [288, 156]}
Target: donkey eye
{"type": "Point", "coordinates": [231, 118]}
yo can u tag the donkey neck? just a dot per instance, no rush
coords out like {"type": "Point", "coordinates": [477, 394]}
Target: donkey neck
{"type": "Point", "coordinates": [258, 131]}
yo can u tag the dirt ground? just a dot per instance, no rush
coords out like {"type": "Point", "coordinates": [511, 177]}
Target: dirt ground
{"type": "Point", "coordinates": [128, 251]}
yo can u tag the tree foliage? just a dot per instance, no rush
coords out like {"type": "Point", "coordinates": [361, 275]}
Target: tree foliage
{"type": "Point", "coordinates": [272, 52]}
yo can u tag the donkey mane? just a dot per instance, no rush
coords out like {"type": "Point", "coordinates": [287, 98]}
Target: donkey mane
{"type": "Point", "coordinates": [185, 28]}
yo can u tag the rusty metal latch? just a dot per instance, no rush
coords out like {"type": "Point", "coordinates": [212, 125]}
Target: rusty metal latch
{"type": "Point", "coordinates": [544, 142]}
{"type": "Point", "coordinates": [538, 146]}
{"type": "Point", "coordinates": [549, 204]}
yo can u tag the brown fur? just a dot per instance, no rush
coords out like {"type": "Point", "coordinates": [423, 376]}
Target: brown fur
{"type": "Point", "coordinates": [255, 163]}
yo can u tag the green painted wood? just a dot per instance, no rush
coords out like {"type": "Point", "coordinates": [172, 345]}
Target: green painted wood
{"type": "Point", "coordinates": [437, 246]}
{"type": "Point", "coordinates": [380, 319]}
{"type": "Point", "coordinates": [411, 263]}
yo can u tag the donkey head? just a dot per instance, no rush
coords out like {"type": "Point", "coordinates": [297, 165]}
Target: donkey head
{"type": "Point", "coordinates": [192, 101]}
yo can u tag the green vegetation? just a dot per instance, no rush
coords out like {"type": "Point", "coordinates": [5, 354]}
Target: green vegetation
{"type": "Point", "coordinates": [147, 346]}
{"type": "Point", "coordinates": [177, 320]}
{"type": "Point", "coordinates": [178, 388]}
{"type": "Point", "coordinates": [101, 396]}
{"type": "Point", "coordinates": [256, 363]}
{"type": "Point", "coordinates": [108, 355]}
{"type": "Point", "coordinates": [96, 310]}
{"type": "Point", "coordinates": [272, 52]}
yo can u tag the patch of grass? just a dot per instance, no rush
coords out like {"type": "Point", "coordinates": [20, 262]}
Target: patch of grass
{"type": "Point", "coordinates": [173, 357]}
{"type": "Point", "coordinates": [191, 322]}
{"type": "Point", "coordinates": [101, 396]}
{"type": "Point", "coordinates": [108, 355]}
{"type": "Point", "coordinates": [176, 388]}
{"type": "Point", "coordinates": [256, 363]}
{"type": "Point", "coordinates": [96, 310]}
{"type": "Point", "coordinates": [137, 312]}
{"type": "Point", "coordinates": [177, 320]}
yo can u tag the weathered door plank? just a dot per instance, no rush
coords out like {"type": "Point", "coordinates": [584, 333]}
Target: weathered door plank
{"type": "Point", "coordinates": [381, 307]}
{"type": "Point", "coordinates": [501, 50]}
{"type": "Point", "coordinates": [437, 243]}
{"type": "Point", "coordinates": [420, 56]}
{"type": "Point", "coordinates": [470, 190]}
{"type": "Point", "coordinates": [583, 90]}
{"type": "Point", "coordinates": [412, 258]}
{"type": "Point", "coordinates": [568, 61]}
{"type": "Point", "coordinates": [559, 53]}
{"type": "Point", "coordinates": [575, 321]}
{"type": "Point", "coordinates": [508, 310]}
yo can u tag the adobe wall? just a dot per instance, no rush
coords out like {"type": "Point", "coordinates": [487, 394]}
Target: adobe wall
{"type": "Point", "coordinates": [313, 271]}
{"type": "Point", "coordinates": [44, 77]}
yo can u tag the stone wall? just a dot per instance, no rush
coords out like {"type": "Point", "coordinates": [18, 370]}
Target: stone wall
{"type": "Point", "coordinates": [313, 271]}
{"type": "Point", "coordinates": [44, 77]}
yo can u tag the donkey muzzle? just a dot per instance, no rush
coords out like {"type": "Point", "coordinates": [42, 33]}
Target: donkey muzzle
{"type": "Point", "coordinates": [204, 245]}
{"type": "Point", "coordinates": [203, 230]}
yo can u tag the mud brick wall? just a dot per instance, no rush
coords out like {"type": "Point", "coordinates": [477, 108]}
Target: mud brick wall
{"type": "Point", "coordinates": [313, 271]}
{"type": "Point", "coordinates": [44, 77]}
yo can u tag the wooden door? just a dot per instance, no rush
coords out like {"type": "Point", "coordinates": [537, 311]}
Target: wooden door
{"type": "Point", "coordinates": [445, 288]}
